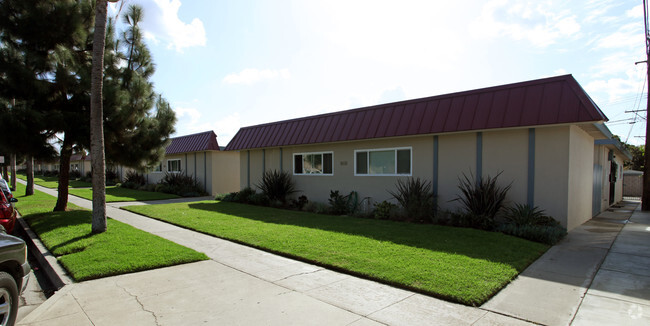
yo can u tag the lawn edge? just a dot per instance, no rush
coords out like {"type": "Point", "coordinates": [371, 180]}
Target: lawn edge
{"type": "Point", "coordinates": [343, 270]}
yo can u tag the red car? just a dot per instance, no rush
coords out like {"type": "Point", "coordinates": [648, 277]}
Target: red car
{"type": "Point", "coordinates": [7, 212]}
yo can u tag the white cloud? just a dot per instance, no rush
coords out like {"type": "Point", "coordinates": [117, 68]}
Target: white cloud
{"type": "Point", "coordinates": [192, 113]}
{"type": "Point", "coordinates": [406, 33]}
{"type": "Point", "coordinates": [629, 35]}
{"type": "Point", "coordinates": [617, 87]}
{"type": "Point", "coordinates": [537, 22]}
{"type": "Point", "coordinates": [162, 24]}
{"type": "Point", "coordinates": [250, 76]}
{"type": "Point", "coordinates": [636, 12]}
{"type": "Point", "coordinates": [225, 128]}
{"type": "Point", "coordinates": [560, 71]}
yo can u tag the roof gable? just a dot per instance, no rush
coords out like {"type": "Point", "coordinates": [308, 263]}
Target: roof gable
{"type": "Point", "coordinates": [203, 141]}
{"type": "Point", "coordinates": [554, 100]}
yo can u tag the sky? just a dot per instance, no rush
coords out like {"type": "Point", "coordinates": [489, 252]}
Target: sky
{"type": "Point", "coordinates": [224, 65]}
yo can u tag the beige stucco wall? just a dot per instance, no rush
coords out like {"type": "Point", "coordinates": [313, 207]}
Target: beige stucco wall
{"type": "Point", "coordinates": [552, 171]}
{"type": "Point", "coordinates": [506, 152]}
{"type": "Point", "coordinates": [581, 153]}
{"type": "Point", "coordinates": [562, 178]}
{"type": "Point", "coordinates": [225, 174]}
{"type": "Point", "coordinates": [456, 156]}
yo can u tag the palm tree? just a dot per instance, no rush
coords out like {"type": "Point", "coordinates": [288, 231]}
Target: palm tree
{"type": "Point", "coordinates": [96, 119]}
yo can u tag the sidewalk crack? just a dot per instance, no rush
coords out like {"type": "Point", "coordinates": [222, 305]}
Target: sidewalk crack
{"type": "Point", "coordinates": [298, 274]}
{"type": "Point", "coordinates": [140, 303]}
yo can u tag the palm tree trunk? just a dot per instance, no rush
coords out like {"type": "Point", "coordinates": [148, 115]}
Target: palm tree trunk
{"type": "Point", "coordinates": [29, 189]}
{"type": "Point", "coordinates": [64, 176]}
{"type": "Point", "coordinates": [13, 171]}
{"type": "Point", "coordinates": [96, 120]}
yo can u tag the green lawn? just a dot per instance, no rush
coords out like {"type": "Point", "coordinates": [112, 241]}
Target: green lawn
{"type": "Point", "coordinates": [121, 249]}
{"type": "Point", "coordinates": [458, 264]}
{"type": "Point", "coordinates": [53, 182]}
{"type": "Point", "coordinates": [116, 194]}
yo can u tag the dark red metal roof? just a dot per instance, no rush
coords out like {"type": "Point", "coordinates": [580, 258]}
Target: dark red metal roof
{"type": "Point", "coordinates": [555, 100]}
{"type": "Point", "coordinates": [203, 141]}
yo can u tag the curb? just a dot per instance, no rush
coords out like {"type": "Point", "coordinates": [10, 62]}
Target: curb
{"type": "Point", "coordinates": [49, 265]}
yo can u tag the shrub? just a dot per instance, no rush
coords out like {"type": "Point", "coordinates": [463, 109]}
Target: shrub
{"type": "Point", "coordinates": [52, 173]}
{"type": "Point", "coordinates": [416, 198]}
{"type": "Point", "coordinates": [135, 178]}
{"type": "Point", "coordinates": [180, 184]}
{"type": "Point", "coordinates": [546, 234]}
{"type": "Point", "coordinates": [521, 215]}
{"type": "Point", "coordinates": [244, 196]}
{"type": "Point", "coordinates": [481, 200]}
{"type": "Point", "coordinates": [318, 208]}
{"type": "Point", "coordinates": [300, 202]}
{"type": "Point", "coordinates": [74, 174]}
{"type": "Point", "coordinates": [148, 187]}
{"type": "Point", "coordinates": [277, 185]}
{"type": "Point", "coordinates": [343, 205]}
{"type": "Point", "coordinates": [384, 210]}
{"type": "Point", "coordinates": [88, 177]}
{"type": "Point", "coordinates": [111, 176]}
{"type": "Point", "coordinates": [261, 200]}
{"type": "Point", "coordinates": [226, 197]}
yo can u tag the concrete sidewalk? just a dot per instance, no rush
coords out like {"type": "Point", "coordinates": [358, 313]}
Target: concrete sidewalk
{"type": "Point", "coordinates": [241, 286]}
{"type": "Point", "coordinates": [596, 275]}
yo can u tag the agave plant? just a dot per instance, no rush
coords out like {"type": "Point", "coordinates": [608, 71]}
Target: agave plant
{"type": "Point", "coordinates": [482, 199]}
{"type": "Point", "coordinates": [277, 185]}
{"type": "Point", "coordinates": [416, 198]}
{"type": "Point", "coordinates": [523, 214]}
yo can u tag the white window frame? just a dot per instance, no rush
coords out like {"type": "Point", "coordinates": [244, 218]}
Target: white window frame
{"type": "Point", "coordinates": [180, 166]}
{"type": "Point", "coordinates": [293, 164]}
{"type": "Point", "coordinates": [395, 149]}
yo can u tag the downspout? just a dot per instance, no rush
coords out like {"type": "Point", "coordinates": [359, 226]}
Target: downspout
{"type": "Point", "coordinates": [185, 164]}
{"type": "Point", "coordinates": [263, 160]}
{"type": "Point", "coordinates": [479, 156]}
{"type": "Point", "coordinates": [248, 168]}
{"type": "Point", "coordinates": [530, 200]}
{"type": "Point", "coordinates": [281, 168]}
{"type": "Point", "coordinates": [195, 172]}
{"type": "Point", "coordinates": [205, 171]}
{"type": "Point", "coordinates": [435, 165]}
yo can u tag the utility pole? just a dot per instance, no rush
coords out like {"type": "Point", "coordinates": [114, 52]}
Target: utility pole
{"type": "Point", "coordinates": [645, 198]}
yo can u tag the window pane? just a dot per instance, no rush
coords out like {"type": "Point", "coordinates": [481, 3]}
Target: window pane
{"type": "Point", "coordinates": [382, 162]}
{"type": "Point", "coordinates": [404, 161]}
{"type": "Point", "coordinates": [313, 163]}
{"type": "Point", "coordinates": [317, 163]}
{"type": "Point", "coordinates": [362, 162]}
{"type": "Point", "coordinates": [327, 163]}
{"type": "Point", "coordinates": [297, 163]}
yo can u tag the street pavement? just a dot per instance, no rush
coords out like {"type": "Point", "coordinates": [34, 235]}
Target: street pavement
{"type": "Point", "coordinates": [599, 273]}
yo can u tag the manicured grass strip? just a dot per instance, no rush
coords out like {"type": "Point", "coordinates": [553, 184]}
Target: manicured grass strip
{"type": "Point", "coordinates": [116, 194]}
{"type": "Point", "coordinates": [457, 264]}
{"type": "Point", "coordinates": [53, 182]}
{"type": "Point", "coordinates": [121, 249]}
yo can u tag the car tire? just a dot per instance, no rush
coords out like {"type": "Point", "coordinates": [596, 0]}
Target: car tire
{"type": "Point", "coordinates": [8, 299]}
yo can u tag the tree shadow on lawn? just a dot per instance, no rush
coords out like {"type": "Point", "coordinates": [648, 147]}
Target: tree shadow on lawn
{"type": "Point", "coordinates": [56, 221]}
{"type": "Point", "coordinates": [490, 246]}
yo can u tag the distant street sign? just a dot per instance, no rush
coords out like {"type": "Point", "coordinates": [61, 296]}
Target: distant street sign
{"type": "Point", "coordinates": [2, 160]}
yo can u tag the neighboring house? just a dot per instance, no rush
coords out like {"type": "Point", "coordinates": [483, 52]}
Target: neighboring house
{"type": "Point", "coordinates": [540, 135]}
{"type": "Point", "coordinates": [80, 162]}
{"type": "Point", "coordinates": [199, 155]}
